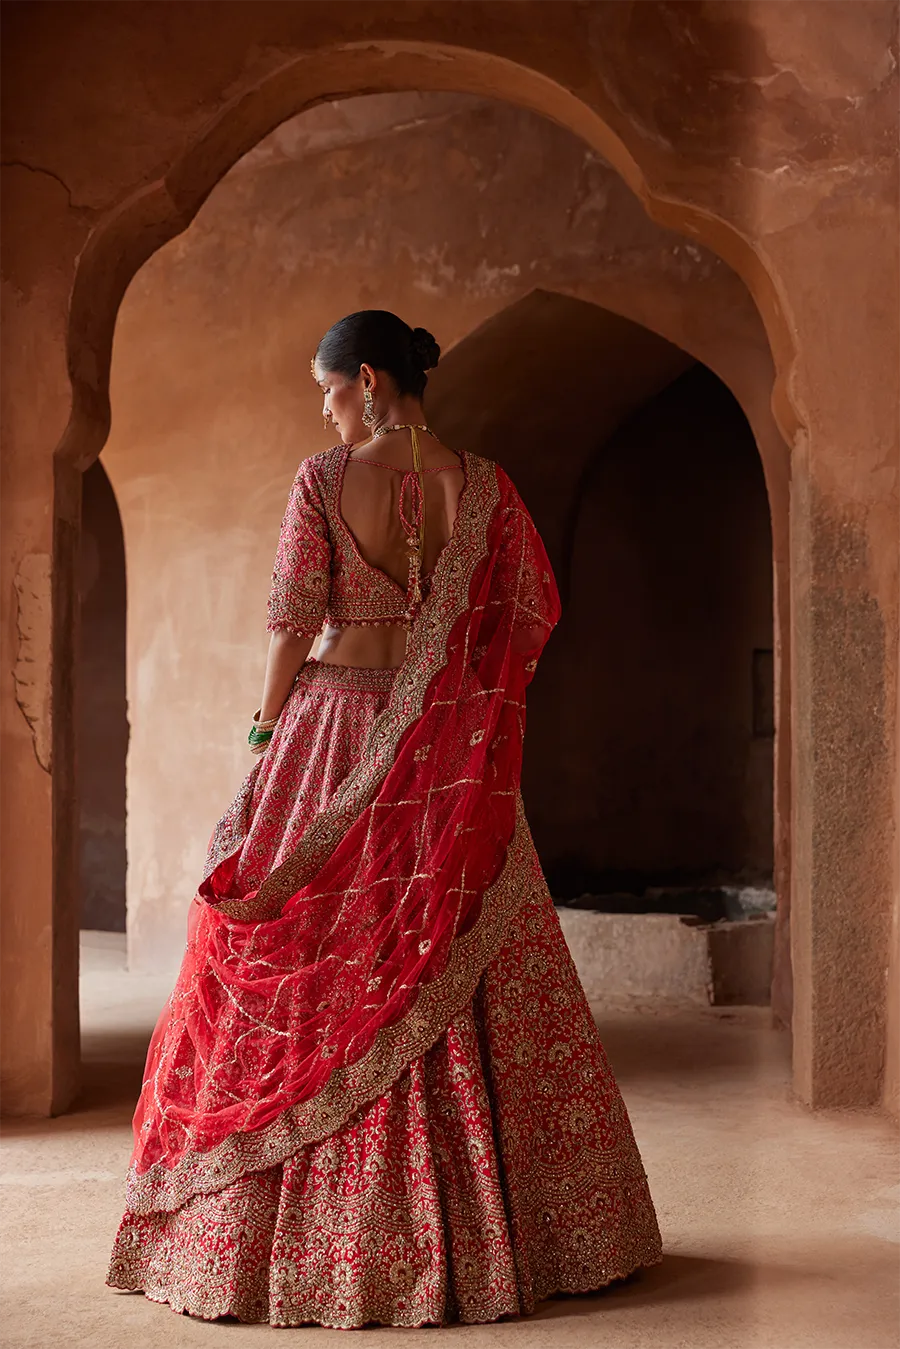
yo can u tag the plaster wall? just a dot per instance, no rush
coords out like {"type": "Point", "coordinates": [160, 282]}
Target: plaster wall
{"type": "Point", "coordinates": [447, 216]}
{"type": "Point", "coordinates": [766, 131]}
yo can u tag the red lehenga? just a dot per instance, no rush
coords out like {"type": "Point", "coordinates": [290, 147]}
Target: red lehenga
{"type": "Point", "coordinates": [377, 1093]}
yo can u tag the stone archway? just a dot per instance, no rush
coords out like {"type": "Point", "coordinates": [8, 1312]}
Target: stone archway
{"type": "Point", "coordinates": [124, 238]}
{"type": "Point", "coordinates": [208, 371]}
{"type": "Point", "coordinates": [545, 334]}
{"type": "Point", "coordinates": [644, 713]}
{"type": "Point", "coordinates": [675, 620]}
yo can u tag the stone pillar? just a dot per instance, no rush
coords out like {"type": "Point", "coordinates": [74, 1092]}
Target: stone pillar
{"type": "Point", "coordinates": [844, 606]}
{"type": "Point", "coordinates": [38, 920]}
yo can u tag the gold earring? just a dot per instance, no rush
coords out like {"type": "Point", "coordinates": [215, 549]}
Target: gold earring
{"type": "Point", "coordinates": [368, 416]}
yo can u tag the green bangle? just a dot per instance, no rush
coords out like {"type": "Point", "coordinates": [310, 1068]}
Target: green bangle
{"type": "Point", "coordinates": [257, 737]}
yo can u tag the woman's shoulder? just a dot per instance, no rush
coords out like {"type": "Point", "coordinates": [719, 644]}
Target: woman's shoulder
{"type": "Point", "coordinates": [504, 482]}
{"type": "Point", "coordinates": [491, 474]}
{"type": "Point", "coordinates": [482, 464]}
{"type": "Point", "coordinates": [316, 466]}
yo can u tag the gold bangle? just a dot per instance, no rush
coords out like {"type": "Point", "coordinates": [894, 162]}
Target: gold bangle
{"type": "Point", "coordinates": [264, 725]}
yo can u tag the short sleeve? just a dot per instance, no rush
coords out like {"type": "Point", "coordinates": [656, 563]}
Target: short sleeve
{"type": "Point", "coordinates": [302, 576]}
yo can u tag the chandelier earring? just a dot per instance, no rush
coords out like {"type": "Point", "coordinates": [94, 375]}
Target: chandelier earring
{"type": "Point", "coordinates": [368, 416]}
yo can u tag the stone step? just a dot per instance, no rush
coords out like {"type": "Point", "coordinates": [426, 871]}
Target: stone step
{"type": "Point", "coordinates": [646, 956]}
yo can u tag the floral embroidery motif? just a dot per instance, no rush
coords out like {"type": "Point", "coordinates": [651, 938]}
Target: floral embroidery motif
{"type": "Point", "coordinates": [441, 1200]}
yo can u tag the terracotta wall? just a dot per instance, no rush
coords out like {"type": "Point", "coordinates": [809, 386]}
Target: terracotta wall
{"type": "Point", "coordinates": [891, 1085]}
{"type": "Point", "coordinates": [102, 721]}
{"type": "Point", "coordinates": [213, 405]}
{"type": "Point", "coordinates": [765, 131]}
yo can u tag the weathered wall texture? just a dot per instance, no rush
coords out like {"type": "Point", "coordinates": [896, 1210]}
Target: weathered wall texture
{"type": "Point", "coordinates": [213, 407]}
{"type": "Point", "coordinates": [102, 721]}
{"type": "Point", "coordinates": [763, 130]}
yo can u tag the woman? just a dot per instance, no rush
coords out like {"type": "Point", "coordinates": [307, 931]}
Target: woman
{"type": "Point", "coordinates": [377, 1093]}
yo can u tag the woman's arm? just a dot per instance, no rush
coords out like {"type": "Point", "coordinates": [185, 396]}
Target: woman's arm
{"type": "Point", "coordinates": [300, 586]}
{"type": "Point", "coordinates": [287, 652]}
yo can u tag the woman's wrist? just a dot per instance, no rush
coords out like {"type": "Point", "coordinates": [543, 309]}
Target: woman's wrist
{"type": "Point", "coordinates": [261, 732]}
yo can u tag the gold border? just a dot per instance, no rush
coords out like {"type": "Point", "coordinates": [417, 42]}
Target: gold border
{"type": "Point", "coordinates": [161, 1188]}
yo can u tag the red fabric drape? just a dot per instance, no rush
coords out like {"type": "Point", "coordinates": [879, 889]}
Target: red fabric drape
{"type": "Point", "coordinates": [299, 997]}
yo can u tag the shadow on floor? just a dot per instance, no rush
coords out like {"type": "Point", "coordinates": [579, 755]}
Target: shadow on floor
{"type": "Point", "coordinates": [677, 1278]}
{"type": "Point", "coordinates": [658, 1046]}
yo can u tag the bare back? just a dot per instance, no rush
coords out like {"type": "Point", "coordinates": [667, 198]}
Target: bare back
{"type": "Point", "coordinates": [375, 487]}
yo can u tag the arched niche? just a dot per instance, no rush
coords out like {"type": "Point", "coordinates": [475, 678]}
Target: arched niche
{"type": "Point", "coordinates": [651, 745]}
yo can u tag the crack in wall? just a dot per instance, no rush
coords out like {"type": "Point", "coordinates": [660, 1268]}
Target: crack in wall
{"type": "Point", "coordinates": [45, 173]}
{"type": "Point", "coordinates": [32, 669]}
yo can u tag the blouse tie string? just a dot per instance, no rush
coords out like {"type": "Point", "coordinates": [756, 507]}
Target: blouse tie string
{"type": "Point", "coordinates": [414, 527]}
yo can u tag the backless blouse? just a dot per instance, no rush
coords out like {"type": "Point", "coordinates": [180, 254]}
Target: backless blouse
{"type": "Point", "coordinates": [320, 575]}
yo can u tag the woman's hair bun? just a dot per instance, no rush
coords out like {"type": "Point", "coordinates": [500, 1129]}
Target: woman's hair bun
{"type": "Point", "coordinates": [379, 338]}
{"type": "Point", "coordinates": [425, 349]}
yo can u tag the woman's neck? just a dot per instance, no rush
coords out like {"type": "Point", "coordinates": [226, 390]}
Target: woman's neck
{"type": "Point", "coordinates": [401, 412]}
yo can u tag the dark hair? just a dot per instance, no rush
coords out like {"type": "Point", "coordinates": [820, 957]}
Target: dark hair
{"type": "Point", "coordinates": [383, 341]}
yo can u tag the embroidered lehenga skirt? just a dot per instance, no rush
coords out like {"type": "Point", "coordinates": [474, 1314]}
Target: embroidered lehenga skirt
{"type": "Point", "coordinates": [499, 1167]}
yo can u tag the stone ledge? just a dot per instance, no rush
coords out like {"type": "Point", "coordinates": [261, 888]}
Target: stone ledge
{"type": "Point", "coordinates": [660, 956]}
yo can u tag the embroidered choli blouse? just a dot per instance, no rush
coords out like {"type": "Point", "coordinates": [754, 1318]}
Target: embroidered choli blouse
{"type": "Point", "coordinates": [320, 574]}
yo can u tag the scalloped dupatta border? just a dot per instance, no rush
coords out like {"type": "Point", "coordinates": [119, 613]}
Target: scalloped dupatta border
{"type": "Point", "coordinates": [348, 1088]}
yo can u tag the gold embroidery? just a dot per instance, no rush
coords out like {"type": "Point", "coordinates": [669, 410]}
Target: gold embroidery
{"type": "Point", "coordinates": [162, 1187]}
{"type": "Point", "coordinates": [440, 1200]}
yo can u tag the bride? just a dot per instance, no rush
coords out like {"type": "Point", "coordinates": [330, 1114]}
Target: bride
{"type": "Point", "coordinates": [376, 1094]}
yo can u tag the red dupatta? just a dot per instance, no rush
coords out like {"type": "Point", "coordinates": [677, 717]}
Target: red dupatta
{"type": "Point", "coordinates": [307, 997]}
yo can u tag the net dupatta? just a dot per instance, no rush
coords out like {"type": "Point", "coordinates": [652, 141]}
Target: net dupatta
{"type": "Point", "coordinates": [304, 999]}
